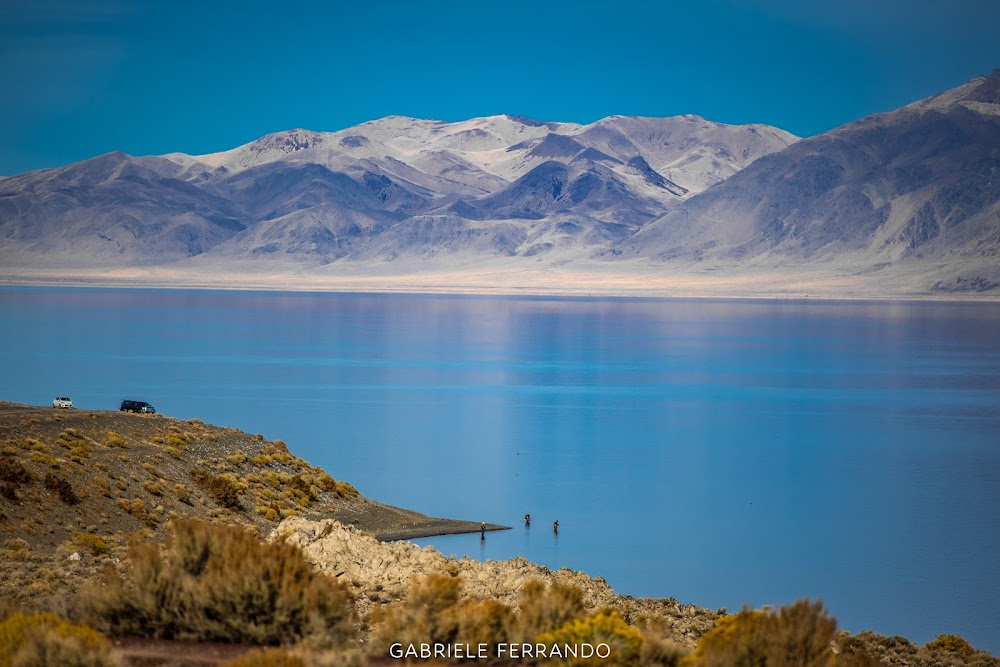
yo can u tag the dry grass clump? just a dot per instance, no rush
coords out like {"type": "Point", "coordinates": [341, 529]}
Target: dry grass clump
{"type": "Point", "coordinates": [42, 640]}
{"type": "Point", "coordinates": [13, 471]}
{"type": "Point", "coordinates": [77, 444]}
{"type": "Point", "coordinates": [181, 492]}
{"type": "Point", "coordinates": [35, 445]}
{"type": "Point", "coordinates": [13, 474]}
{"type": "Point", "coordinates": [213, 583]}
{"type": "Point", "coordinates": [272, 657]}
{"type": "Point", "coordinates": [46, 459]}
{"type": "Point", "coordinates": [96, 545]}
{"type": "Point", "coordinates": [115, 440]}
{"type": "Point", "coordinates": [15, 549]}
{"type": "Point", "coordinates": [153, 488]}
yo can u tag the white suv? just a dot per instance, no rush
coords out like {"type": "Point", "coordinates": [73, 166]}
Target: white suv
{"type": "Point", "coordinates": [62, 402]}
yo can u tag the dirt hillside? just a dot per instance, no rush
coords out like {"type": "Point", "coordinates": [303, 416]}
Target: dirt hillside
{"type": "Point", "coordinates": [75, 485]}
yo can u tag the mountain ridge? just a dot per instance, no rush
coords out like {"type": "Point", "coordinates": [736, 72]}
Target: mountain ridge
{"type": "Point", "coordinates": [908, 197]}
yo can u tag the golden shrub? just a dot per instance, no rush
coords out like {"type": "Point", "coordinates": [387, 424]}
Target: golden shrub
{"type": "Point", "coordinates": [951, 644]}
{"type": "Point", "coordinates": [799, 634]}
{"type": "Point", "coordinates": [45, 639]}
{"type": "Point", "coordinates": [623, 642]}
{"type": "Point", "coordinates": [95, 544]}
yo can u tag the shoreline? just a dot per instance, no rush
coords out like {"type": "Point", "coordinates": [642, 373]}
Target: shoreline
{"type": "Point", "coordinates": [621, 286]}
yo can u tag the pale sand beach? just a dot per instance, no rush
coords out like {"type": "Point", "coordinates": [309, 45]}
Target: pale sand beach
{"type": "Point", "coordinates": [499, 277]}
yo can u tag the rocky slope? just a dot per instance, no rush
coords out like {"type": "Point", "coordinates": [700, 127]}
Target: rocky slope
{"type": "Point", "coordinates": [75, 485]}
{"type": "Point", "coordinates": [380, 572]}
{"type": "Point", "coordinates": [84, 481]}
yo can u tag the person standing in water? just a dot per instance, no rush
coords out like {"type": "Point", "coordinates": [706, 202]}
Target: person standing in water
{"type": "Point", "coordinates": [555, 526]}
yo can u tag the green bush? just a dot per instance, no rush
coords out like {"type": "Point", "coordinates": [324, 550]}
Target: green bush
{"type": "Point", "coordinates": [213, 583]}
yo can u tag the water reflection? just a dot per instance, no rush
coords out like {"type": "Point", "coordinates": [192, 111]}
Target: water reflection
{"type": "Point", "coordinates": [863, 434]}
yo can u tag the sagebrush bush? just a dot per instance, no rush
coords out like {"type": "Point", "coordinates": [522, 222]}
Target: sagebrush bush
{"type": "Point", "coordinates": [215, 583]}
{"type": "Point", "coordinates": [62, 488]}
{"type": "Point", "coordinates": [426, 614]}
{"type": "Point", "coordinates": [223, 489]}
{"type": "Point", "coordinates": [545, 608]}
{"type": "Point", "coordinates": [799, 634]}
{"type": "Point", "coordinates": [13, 471]}
{"type": "Point", "coordinates": [484, 622]}
{"type": "Point", "coordinates": [433, 611]}
{"type": "Point", "coordinates": [45, 640]}
{"type": "Point", "coordinates": [659, 652]}
{"type": "Point", "coordinates": [115, 440]}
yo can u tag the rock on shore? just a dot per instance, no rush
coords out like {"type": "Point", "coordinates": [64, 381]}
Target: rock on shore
{"type": "Point", "coordinates": [380, 571]}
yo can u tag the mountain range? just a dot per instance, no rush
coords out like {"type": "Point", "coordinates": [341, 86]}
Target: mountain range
{"type": "Point", "coordinates": [908, 199]}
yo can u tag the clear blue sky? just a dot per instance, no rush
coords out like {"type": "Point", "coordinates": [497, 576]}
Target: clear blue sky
{"type": "Point", "coordinates": [84, 77]}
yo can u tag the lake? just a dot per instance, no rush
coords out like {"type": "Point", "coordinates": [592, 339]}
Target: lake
{"type": "Point", "coordinates": [722, 452]}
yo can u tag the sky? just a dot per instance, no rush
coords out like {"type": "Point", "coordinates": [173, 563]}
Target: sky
{"type": "Point", "coordinates": [85, 77]}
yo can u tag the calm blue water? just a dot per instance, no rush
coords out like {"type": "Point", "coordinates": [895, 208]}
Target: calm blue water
{"type": "Point", "coordinates": [720, 452]}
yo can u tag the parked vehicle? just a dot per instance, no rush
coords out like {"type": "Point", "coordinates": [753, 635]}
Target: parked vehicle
{"type": "Point", "coordinates": [137, 406]}
{"type": "Point", "coordinates": [62, 402]}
